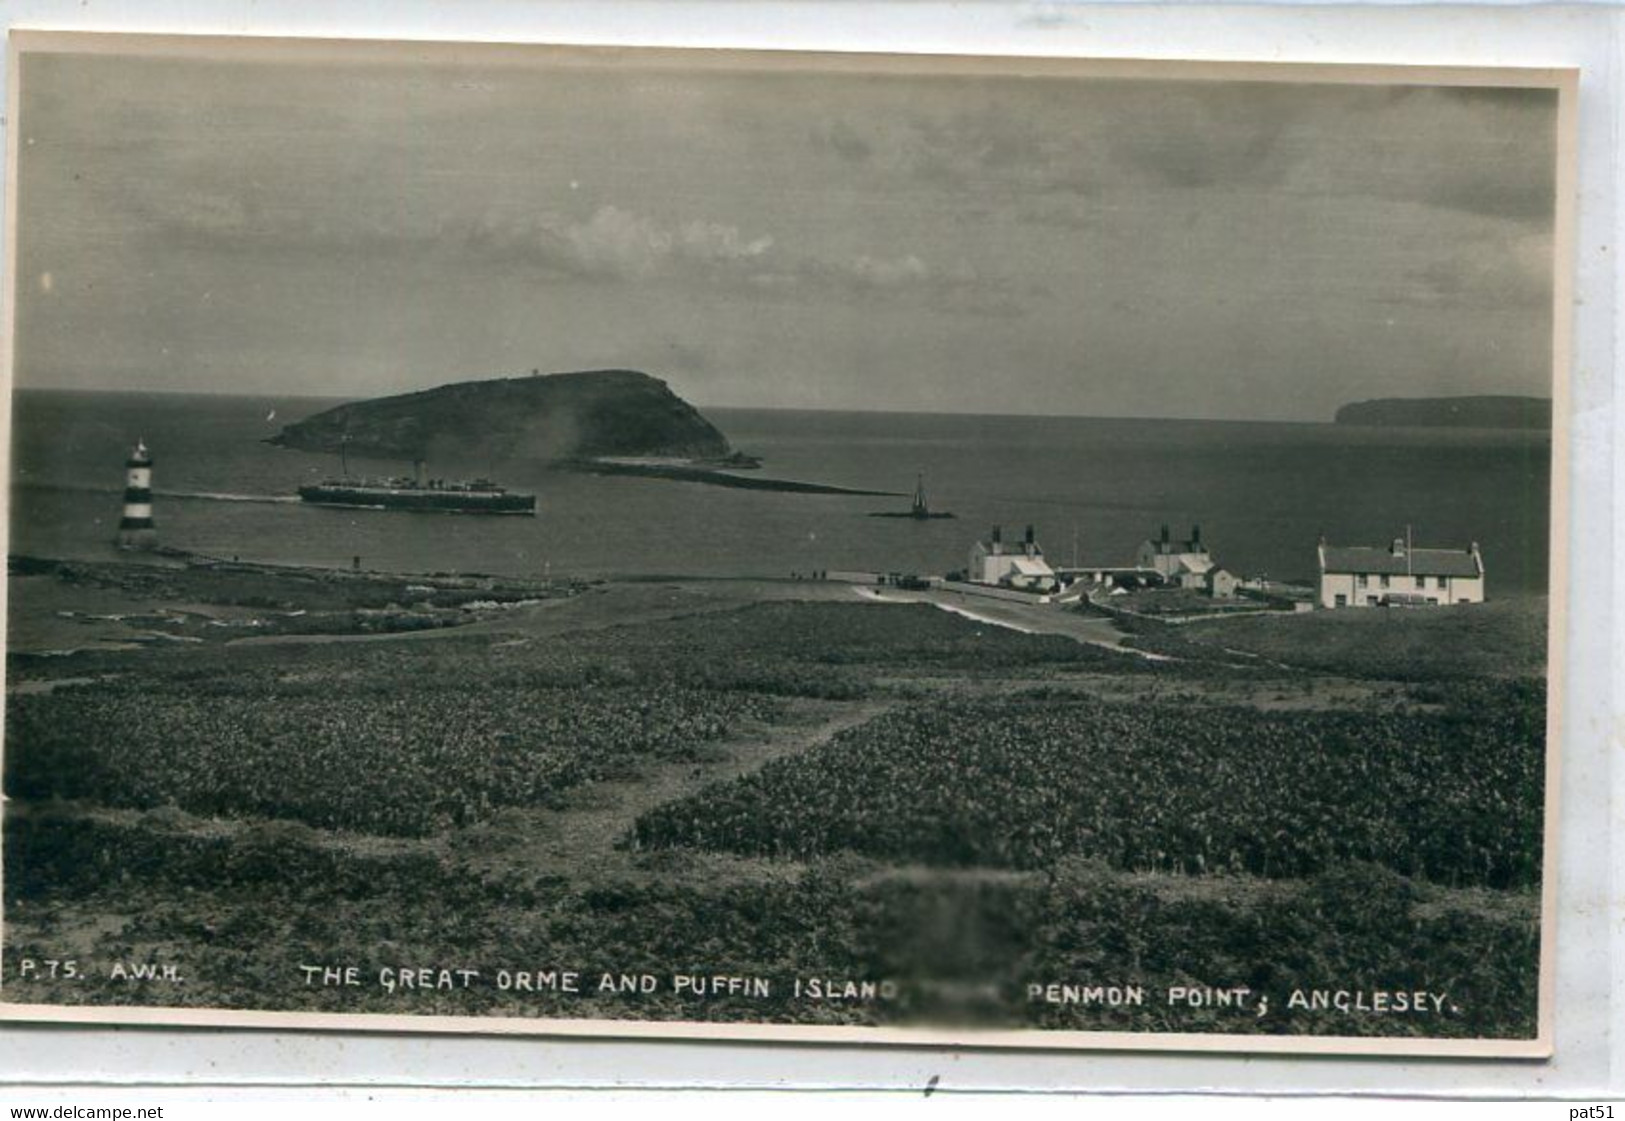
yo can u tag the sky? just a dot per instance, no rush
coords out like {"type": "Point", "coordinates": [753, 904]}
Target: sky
{"type": "Point", "coordinates": [781, 237]}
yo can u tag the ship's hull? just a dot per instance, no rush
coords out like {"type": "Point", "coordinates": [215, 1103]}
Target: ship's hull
{"type": "Point", "coordinates": [420, 500]}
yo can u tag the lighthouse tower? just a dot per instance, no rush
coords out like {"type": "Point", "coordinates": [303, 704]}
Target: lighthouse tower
{"type": "Point", "coordinates": [135, 528]}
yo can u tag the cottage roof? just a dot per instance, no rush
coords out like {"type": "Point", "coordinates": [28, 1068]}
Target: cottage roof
{"type": "Point", "coordinates": [1031, 566]}
{"type": "Point", "coordinates": [1359, 559]}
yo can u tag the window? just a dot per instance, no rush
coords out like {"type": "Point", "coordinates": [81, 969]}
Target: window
{"type": "Point", "coordinates": [1342, 600]}
{"type": "Point", "coordinates": [1384, 579]}
{"type": "Point", "coordinates": [1359, 581]}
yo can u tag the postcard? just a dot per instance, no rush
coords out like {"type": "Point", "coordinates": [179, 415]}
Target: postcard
{"type": "Point", "coordinates": [1008, 552]}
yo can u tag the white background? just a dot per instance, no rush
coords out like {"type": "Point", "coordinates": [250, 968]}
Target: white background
{"type": "Point", "coordinates": [1591, 918]}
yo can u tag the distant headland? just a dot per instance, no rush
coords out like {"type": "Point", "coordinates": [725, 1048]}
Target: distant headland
{"type": "Point", "coordinates": [557, 417]}
{"type": "Point", "coordinates": [1451, 412]}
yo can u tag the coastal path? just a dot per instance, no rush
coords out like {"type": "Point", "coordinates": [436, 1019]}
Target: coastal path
{"type": "Point", "coordinates": [1035, 618]}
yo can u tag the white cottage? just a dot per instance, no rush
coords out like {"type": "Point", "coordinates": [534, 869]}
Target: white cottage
{"type": "Point", "coordinates": [1186, 563]}
{"type": "Point", "coordinates": [1015, 565]}
{"type": "Point", "coordinates": [1399, 576]}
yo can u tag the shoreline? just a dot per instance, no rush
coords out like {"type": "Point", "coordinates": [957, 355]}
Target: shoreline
{"type": "Point", "coordinates": [171, 598]}
{"type": "Point", "coordinates": [174, 598]}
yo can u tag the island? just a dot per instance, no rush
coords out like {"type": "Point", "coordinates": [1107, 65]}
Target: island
{"type": "Point", "coordinates": [558, 417]}
{"type": "Point", "coordinates": [599, 422]}
{"type": "Point", "coordinates": [1483, 411]}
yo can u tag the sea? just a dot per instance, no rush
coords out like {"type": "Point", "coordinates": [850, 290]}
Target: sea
{"type": "Point", "coordinates": [1091, 488]}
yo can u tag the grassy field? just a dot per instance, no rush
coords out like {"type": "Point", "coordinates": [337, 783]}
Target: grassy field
{"type": "Point", "coordinates": [912, 816]}
{"type": "Point", "coordinates": [1497, 640]}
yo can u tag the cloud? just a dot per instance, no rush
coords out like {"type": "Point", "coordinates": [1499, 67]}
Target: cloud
{"type": "Point", "coordinates": [617, 245]}
{"type": "Point", "coordinates": [615, 242]}
{"type": "Point", "coordinates": [1083, 138]}
{"type": "Point", "coordinates": [1041, 148]}
{"type": "Point", "coordinates": [1486, 152]}
{"type": "Point", "coordinates": [1004, 140]}
{"type": "Point", "coordinates": [611, 244]}
{"type": "Point", "coordinates": [1497, 274]}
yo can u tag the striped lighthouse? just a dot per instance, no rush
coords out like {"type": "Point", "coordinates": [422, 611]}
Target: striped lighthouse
{"type": "Point", "coordinates": [135, 528]}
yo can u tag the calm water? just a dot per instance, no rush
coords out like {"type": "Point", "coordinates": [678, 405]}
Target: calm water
{"type": "Point", "coordinates": [1093, 488]}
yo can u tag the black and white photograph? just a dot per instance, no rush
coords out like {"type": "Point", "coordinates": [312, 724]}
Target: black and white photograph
{"type": "Point", "coordinates": [1010, 552]}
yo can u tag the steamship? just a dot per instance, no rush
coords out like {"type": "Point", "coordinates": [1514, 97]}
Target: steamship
{"type": "Point", "coordinates": [440, 496]}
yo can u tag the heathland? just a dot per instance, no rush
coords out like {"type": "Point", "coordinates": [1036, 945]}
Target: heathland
{"type": "Point", "coordinates": [762, 785]}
